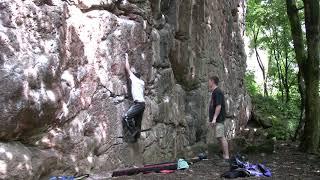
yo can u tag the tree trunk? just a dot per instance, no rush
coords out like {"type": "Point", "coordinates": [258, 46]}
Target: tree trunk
{"type": "Point", "coordinates": [296, 33]}
{"type": "Point", "coordinates": [286, 74]}
{"type": "Point", "coordinates": [261, 65]}
{"type": "Point", "coordinates": [282, 67]}
{"type": "Point", "coordinates": [265, 89]}
{"type": "Point", "coordinates": [299, 50]}
{"type": "Point", "coordinates": [279, 75]}
{"type": "Point", "coordinates": [300, 128]}
{"type": "Point", "coordinates": [310, 142]}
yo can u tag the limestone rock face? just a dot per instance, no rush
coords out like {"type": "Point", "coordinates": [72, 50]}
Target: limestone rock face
{"type": "Point", "coordinates": [63, 85]}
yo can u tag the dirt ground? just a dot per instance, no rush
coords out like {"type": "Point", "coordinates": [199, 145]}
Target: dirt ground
{"type": "Point", "coordinates": [286, 163]}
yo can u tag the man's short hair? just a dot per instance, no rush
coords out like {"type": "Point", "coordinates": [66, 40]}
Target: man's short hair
{"type": "Point", "coordinates": [215, 79]}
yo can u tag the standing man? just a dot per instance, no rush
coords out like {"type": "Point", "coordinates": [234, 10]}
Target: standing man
{"type": "Point", "coordinates": [137, 91]}
{"type": "Point", "coordinates": [217, 114]}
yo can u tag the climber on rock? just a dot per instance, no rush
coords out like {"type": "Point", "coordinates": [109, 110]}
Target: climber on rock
{"type": "Point", "coordinates": [137, 91]}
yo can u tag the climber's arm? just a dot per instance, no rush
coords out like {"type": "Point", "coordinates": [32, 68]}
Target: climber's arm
{"type": "Point", "coordinates": [128, 66]}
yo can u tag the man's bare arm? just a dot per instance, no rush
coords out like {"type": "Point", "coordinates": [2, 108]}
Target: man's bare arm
{"type": "Point", "coordinates": [128, 65]}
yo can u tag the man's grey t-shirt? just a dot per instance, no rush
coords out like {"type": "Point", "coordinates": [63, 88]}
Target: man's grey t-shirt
{"type": "Point", "coordinates": [217, 98]}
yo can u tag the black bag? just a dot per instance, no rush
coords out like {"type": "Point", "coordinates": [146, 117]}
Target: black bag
{"type": "Point", "coordinates": [236, 173]}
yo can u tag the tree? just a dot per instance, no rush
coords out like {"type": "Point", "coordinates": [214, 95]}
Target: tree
{"type": "Point", "coordinates": [312, 126]}
{"type": "Point", "coordinates": [308, 66]}
{"type": "Point", "coordinates": [268, 29]}
{"type": "Point", "coordinates": [277, 41]}
{"type": "Point", "coordinates": [254, 23]}
{"type": "Point", "coordinates": [299, 48]}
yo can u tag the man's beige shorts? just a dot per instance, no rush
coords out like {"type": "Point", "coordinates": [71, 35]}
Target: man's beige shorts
{"type": "Point", "coordinates": [219, 130]}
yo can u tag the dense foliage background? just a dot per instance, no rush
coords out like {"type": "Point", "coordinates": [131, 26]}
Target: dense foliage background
{"type": "Point", "coordinates": [280, 99]}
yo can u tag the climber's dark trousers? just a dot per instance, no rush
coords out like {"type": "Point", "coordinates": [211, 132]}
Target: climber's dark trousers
{"type": "Point", "coordinates": [134, 111]}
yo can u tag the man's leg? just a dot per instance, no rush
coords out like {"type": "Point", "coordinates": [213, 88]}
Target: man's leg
{"type": "Point", "coordinates": [129, 116]}
{"type": "Point", "coordinates": [138, 120]}
{"type": "Point", "coordinates": [128, 121]}
{"type": "Point", "coordinates": [220, 135]}
{"type": "Point", "coordinates": [224, 145]}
